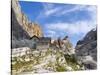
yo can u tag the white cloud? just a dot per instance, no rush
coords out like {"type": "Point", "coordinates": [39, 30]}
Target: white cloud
{"type": "Point", "coordinates": [48, 6]}
{"type": "Point", "coordinates": [81, 27]}
{"type": "Point", "coordinates": [75, 8]}
{"type": "Point", "coordinates": [51, 11]}
{"type": "Point", "coordinates": [51, 33]}
{"type": "Point", "coordinates": [77, 28]}
{"type": "Point", "coordinates": [57, 26]}
{"type": "Point", "coordinates": [58, 11]}
{"type": "Point", "coordinates": [48, 9]}
{"type": "Point", "coordinates": [88, 8]}
{"type": "Point", "coordinates": [93, 13]}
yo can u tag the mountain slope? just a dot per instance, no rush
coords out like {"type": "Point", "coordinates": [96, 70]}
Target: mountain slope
{"type": "Point", "coordinates": [86, 50]}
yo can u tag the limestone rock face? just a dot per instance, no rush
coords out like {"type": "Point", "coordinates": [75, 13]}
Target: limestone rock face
{"type": "Point", "coordinates": [30, 28]}
{"type": "Point", "coordinates": [17, 31]}
{"type": "Point", "coordinates": [21, 28]}
{"type": "Point", "coordinates": [86, 50]}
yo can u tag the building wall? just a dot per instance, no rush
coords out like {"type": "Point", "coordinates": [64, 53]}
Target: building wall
{"type": "Point", "coordinates": [42, 46]}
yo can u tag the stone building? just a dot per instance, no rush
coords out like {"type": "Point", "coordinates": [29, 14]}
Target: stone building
{"type": "Point", "coordinates": [41, 42]}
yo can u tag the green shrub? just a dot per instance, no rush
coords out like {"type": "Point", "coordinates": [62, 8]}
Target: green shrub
{"type": "Point", "coordinates": [60, 68]}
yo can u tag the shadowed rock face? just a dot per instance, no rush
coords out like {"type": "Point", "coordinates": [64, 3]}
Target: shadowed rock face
{"type": "Point", "coordinates": [87, 48]}
{"type": "Point", "coordinates": [17, 32]}
{"type": "Point", "coordinates": [21, 28]}
{"type": "Point", "coordinates": [20, 37]}
{"type": "Point", "coordinates": [30, 27]}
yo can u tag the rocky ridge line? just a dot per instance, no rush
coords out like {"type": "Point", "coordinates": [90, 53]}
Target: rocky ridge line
{"type": "Point", "coordinates": [86, 50]}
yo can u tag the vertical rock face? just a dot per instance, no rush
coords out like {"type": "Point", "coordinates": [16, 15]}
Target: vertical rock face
{"type": "Point", "coordinates": [17, 31]}
{"type": "Point", "coordinates": [31, 28]}
{"type": "Point", "coordinates": [21, 28]}
{"type": "Point", "coordinates": [86, 49]}
{"type": "Point", "coordinates": [19, 19]}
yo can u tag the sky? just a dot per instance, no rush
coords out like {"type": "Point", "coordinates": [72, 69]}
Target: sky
{"type": "Point", "coordinates": [60, 20]}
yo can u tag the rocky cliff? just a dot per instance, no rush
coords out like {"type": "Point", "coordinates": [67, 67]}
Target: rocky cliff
{"type": "Point", "coordinates": [86, 50]}
{"type": "Point", "coordinates": [21, 26]}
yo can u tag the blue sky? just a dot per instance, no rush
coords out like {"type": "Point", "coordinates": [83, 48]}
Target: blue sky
{"type": "Point", "coordinates": [59, 20]}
